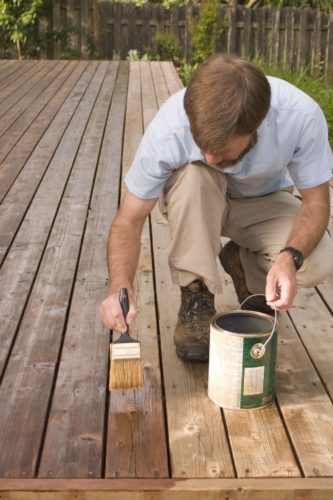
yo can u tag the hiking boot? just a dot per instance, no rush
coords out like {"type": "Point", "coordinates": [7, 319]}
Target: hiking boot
{"type": "Point", "coordinates": [192, 330]}
{"type": "Point", "coordinates": [231, 263]}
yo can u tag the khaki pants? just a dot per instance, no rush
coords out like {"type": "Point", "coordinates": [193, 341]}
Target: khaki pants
{"type": "Point", "coordinates": [199, 213]}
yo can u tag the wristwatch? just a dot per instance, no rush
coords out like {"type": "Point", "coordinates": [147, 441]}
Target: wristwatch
{"type": "Point", "coordinates": [297, 256]}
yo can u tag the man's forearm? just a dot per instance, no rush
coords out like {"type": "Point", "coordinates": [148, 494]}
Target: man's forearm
{"type": "Point", "coordinates": [123, 253]}
{"type": "Point", "coordinates": [309, 227]}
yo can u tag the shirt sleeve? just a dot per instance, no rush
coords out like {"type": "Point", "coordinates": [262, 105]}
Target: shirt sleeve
{"type": "Point", "coordinates": [153, 164]}
{"type": "Point", "coordinates": [312, 161]}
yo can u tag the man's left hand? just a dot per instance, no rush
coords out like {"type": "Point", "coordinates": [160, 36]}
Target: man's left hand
{"type": "Point", "coordinates": [281, 286]}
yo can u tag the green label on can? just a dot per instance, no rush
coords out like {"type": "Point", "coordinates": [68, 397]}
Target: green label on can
{"type": "Point", "coordinates": [258, 374]}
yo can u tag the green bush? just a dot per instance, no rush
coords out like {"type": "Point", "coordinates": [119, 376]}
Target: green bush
{"type": "Point", "coordinates": [186, 71]}
{"type": "Point", "coordinates": [165, 47]}
{"type": "Point", "coordinates": [18, 22]}
{"type": "Point", "coordinates": [205, 31]}
{"type": "Point", "coordinates": [314, 86]}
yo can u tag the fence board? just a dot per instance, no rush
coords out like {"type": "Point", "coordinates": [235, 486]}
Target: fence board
{"type": "Point", "coordinates": [296, 36]}
{"type": "Point", "coordinates": [299, 37]}
{"type": "Point", "coordinates": [329, 53]}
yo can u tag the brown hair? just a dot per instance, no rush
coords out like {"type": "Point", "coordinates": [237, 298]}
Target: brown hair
{"type": "Point", "coordinates": [225, 96]}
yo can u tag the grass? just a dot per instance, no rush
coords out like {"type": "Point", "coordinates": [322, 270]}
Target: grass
{"type": "Point", "coordinates": [314, 86]}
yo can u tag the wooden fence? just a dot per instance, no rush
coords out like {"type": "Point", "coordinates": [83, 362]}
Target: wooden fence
{"type": "Point", "coordinates": [300, 37]}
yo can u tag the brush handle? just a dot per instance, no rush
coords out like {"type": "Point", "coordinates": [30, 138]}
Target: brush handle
{"type": "Point", "coordinates": [124, 302]}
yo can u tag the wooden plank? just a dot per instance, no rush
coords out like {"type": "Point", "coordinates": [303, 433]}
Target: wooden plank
{"type": "Point", "coordinates": [19, 197]}
{"type": "Point", "coordinates": [290, 37]}
{"type": "Point", "coordinates": [15, 79]}
{"type": "Point", "coordinates": [317, 56]}
{"type": "Point", "coordinates": [12, 67]}
{"type": "Point", "coordinates": [96, 25]}
{"type": "Point", "coordinates": [198, 441]}
{"type": "Point", "coordinates": [56, 16]}
{"type": "Point", "coordinates": [136, 418]}
{"type": "Point", "coordinates": [296, 40]}
{"type": "Point", "coordinates": [304, 37]}
{"type": "Point", "coordinates": [262, 31]}
{"type": "Point", "coordinates": [269, 34]}
{"type": "Point", "coordinates": [43, 78]}
{"type": "Point", "coordinates": [28, 379]}
{"type": "Point", "coordinates": [232, 31]}
{"type": "Point", "coordinates": [197, 438]}
{"type": "Point", "coordinates": [14, 92]}
{"type": "Point", "coordinates": [329, 50]}
{"type": "Point", "coordinates": [84, 28]}
{"type": "Point", "coordinates": [305, 405]}
{"type": "Point", "coordinates": [325, 289]}
{"type": "Point", "coordinates": [258, 438]}
{"type": "Point", "coordinates": [275, 20]}
{"type": "Point", "coordinates": [306, 409]}
{"type": "Point", "coordinates": [70, 24]}
{"type": "Point", "coordinates": [282, 38]}
{"type": "Point", "coordinates": [172, 79]}
{"type": "Point", "coordinates": [31, 115]}
{"type": "Point", "coordinates": [263, 431]}
{"type": "Point", "coordinates": [160, 85]}
{"type": "Point", "coordinates": [73, 445]}
{"type": "Point", "coordinates": [17, 273]}
{"type": "Point", "coordinates": [314, 323]}
{"type": "Point", "coordinates": [247, 46]}
{"type": "Point", "coordinates": [162, 489]}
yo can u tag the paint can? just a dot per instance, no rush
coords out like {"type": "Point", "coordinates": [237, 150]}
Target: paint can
{"type": "Point", "coordinates": [242, 359]}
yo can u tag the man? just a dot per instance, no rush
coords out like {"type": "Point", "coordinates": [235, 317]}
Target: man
{"type": "Point", "coordinates": [224, 156]}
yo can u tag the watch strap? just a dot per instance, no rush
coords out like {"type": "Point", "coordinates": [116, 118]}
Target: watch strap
{"type": "Point", "coordinates": [297, 256]}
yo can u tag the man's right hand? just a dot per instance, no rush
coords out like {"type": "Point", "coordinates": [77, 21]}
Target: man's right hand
{"type": "Point", "coordinates": [111, 315]}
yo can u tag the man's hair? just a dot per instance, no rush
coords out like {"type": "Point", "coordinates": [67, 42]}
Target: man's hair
{"type": "Point", "coordinates": [225, 96]}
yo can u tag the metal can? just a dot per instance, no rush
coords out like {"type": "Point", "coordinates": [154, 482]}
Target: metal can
{"type": "Point", "coordinates": [242, 359]}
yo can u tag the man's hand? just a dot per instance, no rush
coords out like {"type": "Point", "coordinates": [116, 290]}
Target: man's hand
{"type": "Point", "coordinates": [111, 315]}
{"type": "Point", "coordinates": [281, 286]}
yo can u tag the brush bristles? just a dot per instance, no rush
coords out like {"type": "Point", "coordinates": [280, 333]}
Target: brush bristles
{"type": "Point", "coordinates": [126, 374]}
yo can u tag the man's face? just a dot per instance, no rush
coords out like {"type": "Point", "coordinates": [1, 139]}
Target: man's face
{"type": "Point", "coordinates": [234, 150]}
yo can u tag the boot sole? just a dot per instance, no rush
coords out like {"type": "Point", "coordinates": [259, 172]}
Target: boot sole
{"type": "Point", "coordinates": [192, 356]}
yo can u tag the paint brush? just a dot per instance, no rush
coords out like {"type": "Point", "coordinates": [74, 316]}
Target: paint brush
{"type": "Point", "coordinates": [125, 355]}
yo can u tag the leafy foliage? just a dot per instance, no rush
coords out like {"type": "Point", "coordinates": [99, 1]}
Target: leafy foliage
{"type": "Point", "coordinates": [165, 47]}
{"type": "Point", "coordinates": [18, 20]}
{"type": "Point", "coordinates": [205, 30]}
{"type": "Point", "coordinates": [186, 71]}
{"type": "Point", "coordinates": [316, 87]}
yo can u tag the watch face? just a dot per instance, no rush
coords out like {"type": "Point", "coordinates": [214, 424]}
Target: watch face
{"type": "Point", "coordinates": [298, 258]}
{"type": "Point", "coordinates": [297, 255]}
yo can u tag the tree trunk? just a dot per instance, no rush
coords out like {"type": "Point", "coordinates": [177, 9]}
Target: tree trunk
{"type": "Point", "coordinates": [18, 48]}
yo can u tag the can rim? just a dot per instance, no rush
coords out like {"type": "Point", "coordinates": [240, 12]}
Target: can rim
{"type": "Point", "coordinates": [243, 312]}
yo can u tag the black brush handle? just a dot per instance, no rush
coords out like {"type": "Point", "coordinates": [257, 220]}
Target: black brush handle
{"type": "Point", "coordinates": [124, 302]}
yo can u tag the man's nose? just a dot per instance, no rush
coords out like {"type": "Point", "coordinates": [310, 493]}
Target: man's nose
{"type": "Point", "coordinates": [212, 159]}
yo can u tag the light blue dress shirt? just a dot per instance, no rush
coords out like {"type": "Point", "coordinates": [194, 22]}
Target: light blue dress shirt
{"type": "Point", "coordinates": [292, 148]}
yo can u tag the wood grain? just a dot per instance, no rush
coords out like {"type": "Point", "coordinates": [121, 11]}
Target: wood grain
{"type": "Point", "coordinates": [136, 418]}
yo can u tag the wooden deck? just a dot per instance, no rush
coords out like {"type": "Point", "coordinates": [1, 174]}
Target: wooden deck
{"type": "Point", "coordinates": [68, 133]}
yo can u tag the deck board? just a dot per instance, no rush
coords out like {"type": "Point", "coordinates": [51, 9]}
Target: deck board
{"type": "Point", "coordinates": [138, 416]}
{"type": "Point", "coordinates": [69, 131]}
{"type": "Point", "coordinates": [31, 115]}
